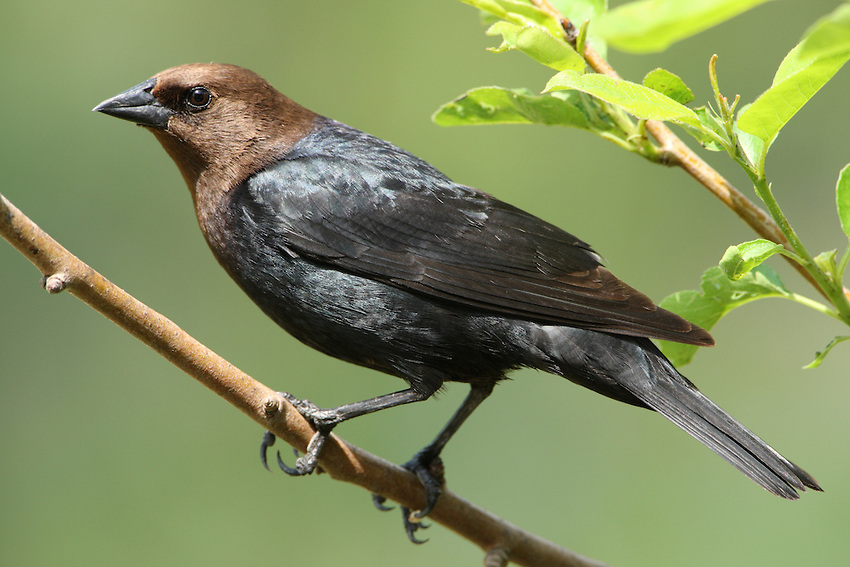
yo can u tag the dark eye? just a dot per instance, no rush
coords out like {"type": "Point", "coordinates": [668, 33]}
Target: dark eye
{"type": "Point", "coordinates": [198, 98]}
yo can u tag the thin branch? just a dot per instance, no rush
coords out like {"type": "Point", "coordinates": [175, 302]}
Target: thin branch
{"type": "Point", "coordinates": [342, 461]}
{"type": "Point", "coordinates": [681, 155]}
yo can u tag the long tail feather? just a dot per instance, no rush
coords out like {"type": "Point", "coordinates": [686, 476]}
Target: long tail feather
{"type": "Point", "coordinates": [634, 371]}
{"type": "Point", "coordinates": [676, 398]}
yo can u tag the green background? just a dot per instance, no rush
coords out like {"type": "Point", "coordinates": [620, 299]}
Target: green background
{"type": "Point", "coordinates": [110, 455]}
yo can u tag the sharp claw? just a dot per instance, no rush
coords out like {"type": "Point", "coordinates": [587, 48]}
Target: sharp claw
{"type": "Point", "coordinates": [309, 462]}
{"type": "Point", "coordinates": [430, 474]}
{"type": "Point", "coordinates": [268, 441]}
{"type": "Point", "coordinates": [411, 522]}
{"type": "Point", "coordinates": [411, 526]}
{"type": "Point", "coordinates": [287, 469]}
{"type": "Point", "coordinates": [378, 501]}
{"type": "Point", "coordinates": [432, 494]}
{"type": "Point", "coordinates": [428, 468]}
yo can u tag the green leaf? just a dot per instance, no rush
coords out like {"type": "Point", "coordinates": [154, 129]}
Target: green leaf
{"type": "Point", "coordinates": [578, 11]}
{"type": "Point", "coordinates": [826, 262]}
{"type": "Point", "coordinates": [653, 25]}
{"type": "Point", "coordinates": [517, 12]}
{"type": "Point", "coordinates": [808, 67]}
{"type": "Point", "coordinates": [668, 84]}
{"type": "Point", "coordinates": [635, 99]}
{"type": "Point", "coordinates": [496, 105]}
{"type": "Point", "coordinates": [827, 37]}
{"type": "Point", "coordinates": [717, 296]}
{"type": "Point", "coordinates": [820, 356]}
{"type": "Point", "coordinates": [739, 260]}
{"type": "Point", "coordinates": [842, 199]}
{"type": "Point", "coordinates": [538, 44]}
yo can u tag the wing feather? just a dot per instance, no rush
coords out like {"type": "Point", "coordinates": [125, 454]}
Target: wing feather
{"type": "Point", "coordinates": [400, 221]}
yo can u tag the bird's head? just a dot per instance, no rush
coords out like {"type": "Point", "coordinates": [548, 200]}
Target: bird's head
{"type": "Point", "coordinates": [216, 121]}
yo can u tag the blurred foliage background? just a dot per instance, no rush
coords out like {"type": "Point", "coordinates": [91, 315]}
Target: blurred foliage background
{"type": "Point", "coordinates": [109, 455]}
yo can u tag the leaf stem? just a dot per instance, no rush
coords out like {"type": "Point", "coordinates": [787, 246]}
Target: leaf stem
{"type": "Point", "coordinates": [831, 288]}
{"type": "Point", "coordinates": [842, 265]}
{"type": "Point", "coordinates": [816, 305]}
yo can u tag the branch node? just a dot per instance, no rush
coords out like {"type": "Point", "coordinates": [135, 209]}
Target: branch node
{"type": "Point", "coordinates": [54, 283]}
{"type": "Point", "coordinates": [271, 407]}
{"type": "Point", "coordinates": [669, 157]}
{"type": "Point", "coordinates": [496, 556]}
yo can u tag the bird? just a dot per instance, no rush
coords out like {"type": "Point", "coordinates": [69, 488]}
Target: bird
{"type": "Point", "coordinates": [369, 254]}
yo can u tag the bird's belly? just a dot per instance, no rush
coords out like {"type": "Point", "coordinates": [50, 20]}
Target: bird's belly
{"type": "Point", "coordinates": [380, 326]}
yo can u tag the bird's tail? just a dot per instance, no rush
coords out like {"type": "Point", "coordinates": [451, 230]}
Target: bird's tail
{"type": "Point", "coordinates": [635, 371]}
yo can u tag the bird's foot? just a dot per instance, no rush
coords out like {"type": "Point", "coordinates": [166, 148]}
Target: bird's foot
{"type": "Point", "coordinates": [323, 421]}
{"type": "Point", "coordinates": [430, 472]}
{"type": "Point", "coordinates": [411, 523]}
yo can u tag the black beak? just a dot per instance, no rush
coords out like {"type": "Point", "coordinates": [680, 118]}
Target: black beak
{"type": "Point", "coordinates": [137, 105]}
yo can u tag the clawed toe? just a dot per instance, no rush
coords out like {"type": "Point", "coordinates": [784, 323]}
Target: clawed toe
{"type": "Point", "coordinates": [379, 500]}
{"type": "Point", "coordinates": [426, 465]}
{"type": "Point", "coordinates": [412, 523]}
{"type": "Point", "coordinates": [323, 420]}
{"type": "Point", "coordinates": [303, 465]}
{"type": "Point", "coordinates": [307, 463]}
{"type": "Point", "coordinates": [429, 470]}
{"type": "Point", "coordinates": [268, 440]}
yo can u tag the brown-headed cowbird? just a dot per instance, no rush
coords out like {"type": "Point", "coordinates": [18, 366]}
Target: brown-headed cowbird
{"type": "Point", "coordinates": [371, 255]}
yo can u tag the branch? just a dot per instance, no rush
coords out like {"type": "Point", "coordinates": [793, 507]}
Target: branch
{"type": "Point", "coordinates": [678, 153]}
{"type": "Point", "coordinates": [500, 540]}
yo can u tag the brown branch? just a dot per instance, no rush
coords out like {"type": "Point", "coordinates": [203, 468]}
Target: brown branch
{"type": "Point", "coordinates": [500, 540]}
{"type": "Point", "coordinates": [681, 155]}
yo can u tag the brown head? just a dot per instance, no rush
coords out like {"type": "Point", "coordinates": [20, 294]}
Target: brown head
{"type": "Point", "coordinates": [218, 122]}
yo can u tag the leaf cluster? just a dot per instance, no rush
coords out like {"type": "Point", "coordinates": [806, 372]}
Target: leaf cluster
{"type": "Point", "coordinates": [618, 110]}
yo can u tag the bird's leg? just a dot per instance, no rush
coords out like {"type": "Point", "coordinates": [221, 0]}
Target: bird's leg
{"type": "Point", "coordinates": [324, 420]}
{"type": "Point", "coordinates": [424, 463]}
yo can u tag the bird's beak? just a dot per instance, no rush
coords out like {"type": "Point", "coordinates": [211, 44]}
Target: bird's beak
{"type": "Point", "coordinates": [137, 105]}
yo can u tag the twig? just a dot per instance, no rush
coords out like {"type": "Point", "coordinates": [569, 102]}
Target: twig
{"type": "Point", "coordinates": [681, 155]}
{"type": "Point", "coordinates": [342, 461]}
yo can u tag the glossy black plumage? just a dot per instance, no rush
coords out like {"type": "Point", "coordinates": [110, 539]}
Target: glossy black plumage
{"type": "Point", "coordinates": [371, 255]}
{"type": "Point", "coordinates": [395, 218]}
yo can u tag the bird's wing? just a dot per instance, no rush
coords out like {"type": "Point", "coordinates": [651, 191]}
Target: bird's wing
{"type": "Point", "coordinates": [428, 235]}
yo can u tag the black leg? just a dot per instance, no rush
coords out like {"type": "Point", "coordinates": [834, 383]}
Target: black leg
{"type": "Point", "coordinates": [324, 420]}
{"type": "Point", "coordinates": [423, 463]}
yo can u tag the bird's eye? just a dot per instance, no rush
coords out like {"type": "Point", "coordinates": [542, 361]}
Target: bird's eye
{"type": "Point", "coordinates": [198, 98]}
